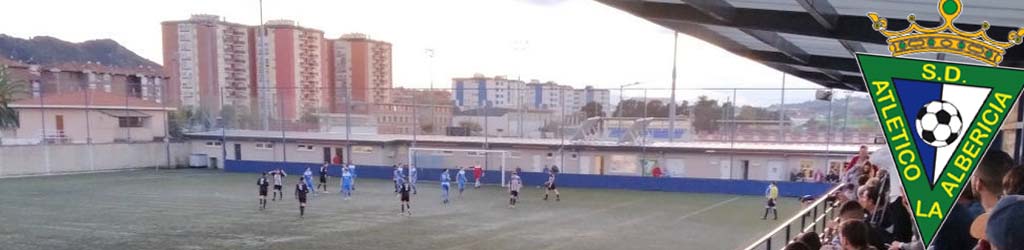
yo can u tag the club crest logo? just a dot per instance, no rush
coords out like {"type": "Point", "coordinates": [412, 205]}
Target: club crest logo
{"type": "Point", "coordinates": [939, 118]}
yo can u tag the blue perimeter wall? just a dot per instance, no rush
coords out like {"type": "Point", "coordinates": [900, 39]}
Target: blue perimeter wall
{"type": "Point", "coordinates": [689, 185]}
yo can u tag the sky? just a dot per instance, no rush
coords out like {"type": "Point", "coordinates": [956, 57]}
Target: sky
{"type": "Point", "coordinates": [572, 42]}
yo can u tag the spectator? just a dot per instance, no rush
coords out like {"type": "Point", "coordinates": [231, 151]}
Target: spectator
{"type": "Point", "coordinates": [794, 175]}
{"type": "Point", "coordinates": [1003, 229]}
{"type": "Point", "coordinates": [987, 181]}
{"type": "Point", "coordinates": [987, 185]}
{"type": "Point", "coordinates": [854, 234]}
{"type": "Point", "coordinates": [955, 233]}
{"type": "Point", "coordinates": [888, 221]}
{"type": "Point", "coordinates": [796, 245]}
{"type": "Point", "coordinates": [1013, 182]}
{"type": "Point", "coordinates": [478, 172]}
{"type": "Point", "coordinates": [656, 172]}
{"type": "Point", "coordinates": [856, 167]}
{"type": "Point", "coordinates": [810, 239]}
{"type": "Point", "coordinates": [336, 159]}
{"type": "Point", "coordinates": [546, 170]}
{"type": "Point", "coordinates": [850, 210]}
{"type": "Point", "coordinates": [832, 177]}
{"type": "Point", "coordinates": [862, 180]}
{"type": "Point", "coordinates": [818, 177]}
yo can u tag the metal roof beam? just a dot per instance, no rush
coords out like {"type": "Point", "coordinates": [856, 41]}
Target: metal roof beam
{"type": "Point", "coordinates": [780, 43]}
{"type": "Point", "coordinates": [822, 11]}
{"type": "Point", "coordinates": [718, 9]}
{"type": "Point", "coordinates": [779, 60]}
{"type": "Point", "coordinates": [851, 28]}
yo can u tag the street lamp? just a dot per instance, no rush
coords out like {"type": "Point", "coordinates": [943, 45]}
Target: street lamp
{"type": "Point", "coordinates": [621, 94]}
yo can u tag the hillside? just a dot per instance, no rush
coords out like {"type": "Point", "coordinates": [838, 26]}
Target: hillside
{"type": "Point", "coordinates": [46, 50]}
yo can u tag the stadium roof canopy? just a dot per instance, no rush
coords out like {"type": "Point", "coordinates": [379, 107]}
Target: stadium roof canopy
{"type": "Point", "coordinates": [816, 39]}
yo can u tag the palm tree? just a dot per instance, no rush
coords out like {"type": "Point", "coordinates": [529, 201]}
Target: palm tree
{"type": "Point", "coordinates": [10, 89]}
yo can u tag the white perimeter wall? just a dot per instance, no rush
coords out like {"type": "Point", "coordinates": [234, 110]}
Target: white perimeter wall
{"type": "Point", "coordinates": [68, 158]}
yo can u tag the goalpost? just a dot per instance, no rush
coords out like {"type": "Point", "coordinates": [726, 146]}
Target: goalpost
{"type": "Point", "coordinates": [450, 152]}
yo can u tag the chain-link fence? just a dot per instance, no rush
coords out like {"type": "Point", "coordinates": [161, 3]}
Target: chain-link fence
{"type": "Point", "coordinates": [627, 116]}
{"type": "Point", "coordinates": [80, 107]}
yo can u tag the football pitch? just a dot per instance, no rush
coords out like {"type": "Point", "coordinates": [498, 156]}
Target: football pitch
{"type": "Point", "coordinates": [210, 209]}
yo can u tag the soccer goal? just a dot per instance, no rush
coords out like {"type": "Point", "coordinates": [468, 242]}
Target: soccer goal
{"type": "Point", "coordinates": [451, 157]}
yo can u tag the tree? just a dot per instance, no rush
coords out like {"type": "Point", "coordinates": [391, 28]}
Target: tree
{"type": "Point", "coordinates": [308, 117]}
{"type": "Point", "coordinates": [593, 109]}
{"type": "Point", "coordinates": [471, 126]}
{"type": "Point", "coordinates": [228, 116]}
{"type": "Point", "coordinates": [705, 112]}
{"type": "Point", "coordinates": [683, 109]}
{"type": "Point", "coordinates": [176, 121]}
{"type": "Point", "coordinates": [10, 90]}
{"type": "Point", "coordinates": [427, 128]}
{"type": "Point", "coordinates": [656, 108]}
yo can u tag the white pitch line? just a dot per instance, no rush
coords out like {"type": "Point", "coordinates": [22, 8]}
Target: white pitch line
{"type": "Point", "coordinates": [71, 173]}
{"type": "Point", "coordinates": [702, 210]}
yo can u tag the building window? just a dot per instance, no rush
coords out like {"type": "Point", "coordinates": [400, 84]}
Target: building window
{"type": "Point", "coordinates": [213, 144]}
{"type": "Point", "coordinates": [302, 147]}
{"type": "Point", "coordinates": [264, 145]}
{"type": "Point", "coordinates": [443, 152]}
{"type": "Point", "coordinates": [476, 154]}
{"type": "Point", "coordinates": [129, 122]}
{"type": "Point", "coordinates": [362, 149]}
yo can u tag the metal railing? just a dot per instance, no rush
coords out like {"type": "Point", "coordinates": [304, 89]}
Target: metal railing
{"type": "Point", "coordinates": [820, 213]}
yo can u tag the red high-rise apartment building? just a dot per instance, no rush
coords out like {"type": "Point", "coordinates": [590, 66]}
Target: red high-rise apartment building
{"type": "Point", "coordinates": [298, 83]}
{"type": "Point", "coordinates": [279, 70]}
{"type": "Point", "coordinates": [210, 63]}
{"type": "Point", "coordinates": [363, 66]}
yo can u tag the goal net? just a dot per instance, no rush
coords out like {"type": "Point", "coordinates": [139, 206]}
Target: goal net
{"type": "Point", "coordinates": [450, 158]}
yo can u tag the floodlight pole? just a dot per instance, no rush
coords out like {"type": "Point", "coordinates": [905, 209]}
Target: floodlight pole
{"type": "Point", "coordinates": [348, 123]}
{"type": "Point", "coordinates": [782, 110]}
{"type": "Point", "coordinates": [672, 103]}
{"type": "Point", "coordinates": [223, 133]}
{"type": "Point", "coordinates": [163, 105]}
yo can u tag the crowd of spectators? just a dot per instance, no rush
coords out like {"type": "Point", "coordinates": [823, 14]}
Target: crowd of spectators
{"type": "Point", "coordinates": [873, 212]}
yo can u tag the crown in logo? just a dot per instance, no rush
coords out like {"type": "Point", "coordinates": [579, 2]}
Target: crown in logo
{"type": "Point", "coordinates": [946, 38]}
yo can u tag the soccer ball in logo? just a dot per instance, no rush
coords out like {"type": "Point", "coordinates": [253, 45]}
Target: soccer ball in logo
{"type": "Point", "coordinates": [939, 123]}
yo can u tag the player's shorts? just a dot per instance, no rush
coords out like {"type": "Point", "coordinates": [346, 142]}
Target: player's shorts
{"type": "Point", "coordinates": [515, 193]}
{"type": "Point", "coordinates": [277, 187]}
{"type": "Point", "coordinates": [445, 186]}
{"type": "Point", "coordinates": [302, 199]}
{"type": "Point", "coordinates": [405, 197]}
{"type": "Point", "coordinates": [552, 187]}
{"type": "Point", "coordinates": [323, 179]}
{"type": "Point", "coordinates": [462, 186]}
{"type": "Point", "coordinates": [346, 187]}
{"type": "Point", "coordinates": [263, 191]}
{"type": "Point", "coordinates": [770, 203]}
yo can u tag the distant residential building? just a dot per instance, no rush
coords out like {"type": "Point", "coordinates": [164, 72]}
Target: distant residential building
{"type": "Point", "coordinates": [361, 66]}
{"type": "Point", "coordinates": [504, 122]}
{"type": "Point", "coordinates": [429, 111]}
{"type": "Point", "coordinates": [296, 83]}
{"type": "Point", "coordinates": [480, 91]}
{"type": "Point", "coordinates": [80, 117]}
{"type": "Point", "coordinates": [46, 80]}
{"type": "Point", "coordinates": [589, 94]}
{"type": "Point", "coordinates": [205, 56]}
{"type": "Point", "coordinates": [336, 123]}
{"type": "Point", "coordinates": [550, 96]}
